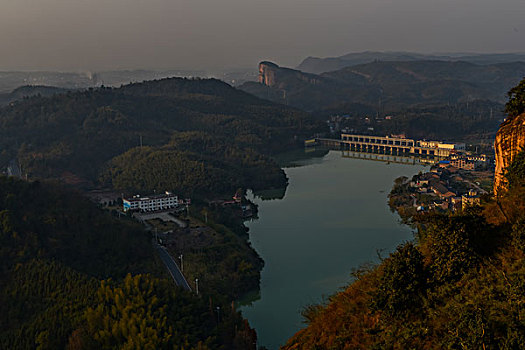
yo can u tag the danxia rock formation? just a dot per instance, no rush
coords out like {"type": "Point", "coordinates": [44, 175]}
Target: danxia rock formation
{"type": "Point", "coordinates": [267, 72]}
{"type": "Point", "coordinates": [510, 139]}
{"type": "Point", "coordinates": [272, 75]}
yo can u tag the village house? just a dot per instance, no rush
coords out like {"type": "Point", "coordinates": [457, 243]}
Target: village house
{"type": "Point", "coordinates": [456, 203]}
{"type": "Point", "coordinates": [463, 163]}
{"type": "Point", "coordinates": [470, 199]}
{"type": "Point", "coordinates": [442, 191]}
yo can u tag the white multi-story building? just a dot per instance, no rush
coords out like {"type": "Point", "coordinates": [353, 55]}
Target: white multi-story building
{"type": "Point", "coordinates": [151, 203]}
{"type": "Point", "coordinates": [442, 145]}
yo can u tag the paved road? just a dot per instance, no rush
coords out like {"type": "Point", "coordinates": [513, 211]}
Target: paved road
{"type": "Point", "coordinates": [172, 267]}
{"type": "Point", "coordinates": [480, 190]}
{"type": "Point", "coordinates": [13, 169]}
{"type": "Point", "coordinates": [163, 215]}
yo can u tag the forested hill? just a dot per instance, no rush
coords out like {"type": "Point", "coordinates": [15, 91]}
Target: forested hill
{"type": "Point", "coordinates": [72, 276]}
{"type": "Point", "coordinates": [74, 136]}
{"type": "Point", "coordinates": [28, 91]}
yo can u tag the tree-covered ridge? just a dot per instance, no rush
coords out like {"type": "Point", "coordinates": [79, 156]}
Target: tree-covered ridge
{"type": "Point", "coordinates": [28, 91]}
{"type": "Point", "coordinates": [473, 120]}
{"type": "Point", "coordinates": [320, 65]}
{"type": "Point", "coordinates": [42, 302]}
{"type": "Point", "coordinates": [47, 222]}
{"type": "Point", "coordinates": [80, 132]}
{"type": "Point", "coordinates": [75, 277]}
{"type": "Point", "coordinates": [146, 313]}
{"type": "Point", "coordinates": [193, 163]}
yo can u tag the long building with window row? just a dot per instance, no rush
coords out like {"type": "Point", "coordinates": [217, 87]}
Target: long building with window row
{"type": "Point", "coordinates": [151, 203]}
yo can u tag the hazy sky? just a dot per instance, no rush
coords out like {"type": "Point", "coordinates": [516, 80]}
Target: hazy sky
{"type": "Point", "coordinates": [200, 34]}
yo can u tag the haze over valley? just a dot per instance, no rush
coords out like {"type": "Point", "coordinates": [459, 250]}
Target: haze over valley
{"type": "Point", "coordinates": [237, 175]}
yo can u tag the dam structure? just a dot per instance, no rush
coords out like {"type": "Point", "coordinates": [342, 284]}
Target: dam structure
{"type": "Point", "coordinates": [388, 145]}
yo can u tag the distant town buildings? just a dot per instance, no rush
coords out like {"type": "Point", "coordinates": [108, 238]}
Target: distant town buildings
{"type": "Point", "coordinates": [443, 188]}
{"type": "Point", "coordinates": [467, 161]}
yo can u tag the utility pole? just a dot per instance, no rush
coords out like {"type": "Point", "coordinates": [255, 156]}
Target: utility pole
{"type": "Point", "coordinates": [181, 263]}
{"type": "Point", "coordinates": [197, 286]}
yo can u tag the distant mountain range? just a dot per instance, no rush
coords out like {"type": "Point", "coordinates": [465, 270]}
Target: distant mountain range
{"type": "Point", "coordinates": [321, 65]}
{"type": "Point", "coordinates": [386, 86]}
{"type": "Point", "coordinates": [28, 91]}
{"type": "Point", "coordinates": [10, 80]}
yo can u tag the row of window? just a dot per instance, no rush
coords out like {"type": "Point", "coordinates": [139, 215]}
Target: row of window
{"type": "Point", "coordinates": [151, 202]}
{"type": "Point", "coordinates": [151, 206]}
{"type": "Point", "coordinates": [379, 141]}
{"type": "Point", "coordinates": [370, 146]}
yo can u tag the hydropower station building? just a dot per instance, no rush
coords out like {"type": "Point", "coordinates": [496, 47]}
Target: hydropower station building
{"type": "Point", "coordinates": [390, 145]}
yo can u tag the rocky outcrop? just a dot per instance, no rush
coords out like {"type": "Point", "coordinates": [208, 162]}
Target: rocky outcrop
{"type": "Point", "coordinates": [510, 139]}
{"type": "Point", "coordinates": [272, 75]}
{"type": "Point", "coordinates": [267, 72]}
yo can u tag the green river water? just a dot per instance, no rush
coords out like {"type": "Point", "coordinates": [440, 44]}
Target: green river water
{"type": "Point", "coordinates": [334, 217]}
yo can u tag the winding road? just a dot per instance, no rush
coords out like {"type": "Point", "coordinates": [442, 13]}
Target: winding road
{"type": "Point", "coordinates": [172, 267]}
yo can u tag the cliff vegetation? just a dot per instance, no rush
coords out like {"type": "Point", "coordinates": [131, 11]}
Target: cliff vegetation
{"type": "Point", "coordinates": [510, 139]}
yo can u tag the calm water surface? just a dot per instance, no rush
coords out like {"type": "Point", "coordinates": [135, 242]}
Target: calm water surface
{"type": "Point", "coordinates": [333, 218]}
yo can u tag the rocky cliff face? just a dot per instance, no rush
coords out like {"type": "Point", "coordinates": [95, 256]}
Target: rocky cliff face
{"type": "Point", "coordinates": [510, 139]}
{"type": "Point", "coordinates": [267, 71]}
{"type": "Point", "coordinates": [272, 75]}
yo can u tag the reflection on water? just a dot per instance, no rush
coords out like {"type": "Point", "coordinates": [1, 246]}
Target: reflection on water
{"type": "Point", "coordinates": [389, 158]}
{"type": "Point", "coordinates": [333, 218]}
{"type": "Point", "coordinates": [300, 157]}
{"type": "Point", "coordinates": [249, 298]}
{"type": "Point", "coordinates": [272, 194]}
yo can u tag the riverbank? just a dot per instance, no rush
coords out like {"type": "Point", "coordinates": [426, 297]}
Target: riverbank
{"type": "Point", "coordinates": [441, 189]}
